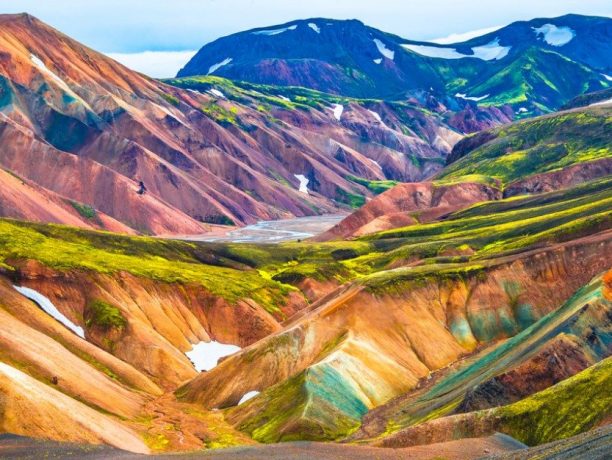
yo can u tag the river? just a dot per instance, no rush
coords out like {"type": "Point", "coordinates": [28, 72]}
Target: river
{"type": "Point", "coordinates": [274, 231]}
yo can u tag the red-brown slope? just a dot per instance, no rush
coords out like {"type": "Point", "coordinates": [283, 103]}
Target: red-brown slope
{"type": "Point", "coordinates": [24, 200]}
{"type": "Point", "coordinates": [84, 126]}
{"type": "Point", "coordinates": [406, 204]}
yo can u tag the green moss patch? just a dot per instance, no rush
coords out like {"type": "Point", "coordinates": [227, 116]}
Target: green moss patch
{"type": "Point", "coordinates": [104, 315]}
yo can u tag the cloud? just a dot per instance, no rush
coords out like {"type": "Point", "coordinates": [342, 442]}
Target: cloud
{"type": "Point", "coordinates": [156, 64]}
{"type": "Point", "coordinates": [465, 36]}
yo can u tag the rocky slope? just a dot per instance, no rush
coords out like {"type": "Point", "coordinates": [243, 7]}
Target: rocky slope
{"type": "Point", "coordinates": [499, 270]}
{"type": "Point", "coordinates": [86, 128]}
{"type": "Point", "coordinates": [566, 56]}
{"type": "Point", "coordinates": [529, 157]}
{"type": "Point", "coordinates": [24, 200]}
{"type": "Point", "coordinates": [326, 369]}
{"type": "Point", "coordinates": [113, 329]}
{"type": "Point", "coordinates": [407, 204]}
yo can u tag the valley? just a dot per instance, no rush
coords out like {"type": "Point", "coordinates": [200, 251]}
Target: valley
{"type": "Point", "coordinates": [275, 231]}
{"type": "Point", "coordinates": [333, 242]}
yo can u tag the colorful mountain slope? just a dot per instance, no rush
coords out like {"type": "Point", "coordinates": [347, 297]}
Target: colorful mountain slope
{"type": "Point", "coordinates": [82, 126]}
{"type": "Point", "coordinates": [571, 338]}
{"type": "Point", "coordinates": [359, 346]}
{"type": "Point", "coordinates": [564, 410]}
{"type": "Point", "coordinates": [544, 145]}
{"type": "Point", "coordinates": [535, 66]}
{"type": "Point", "coordinates": [533, 156]}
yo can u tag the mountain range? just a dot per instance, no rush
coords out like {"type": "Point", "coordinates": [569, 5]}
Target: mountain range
{"type": "Point", "coordinates": [88, 131]}
{"type": "Point", "coordinates": [535, 66]}
{"type": "Point", "coordinates": [461, 308]}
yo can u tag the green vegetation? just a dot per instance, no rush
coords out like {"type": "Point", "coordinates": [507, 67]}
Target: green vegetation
{"type": "Point", "coordinates": [104, 315]}
{"type": "Point", "coordinates": [301, 408]}
{"type": "Point", "coordinates": [220, 114]}
{"type": "Point", "coordinates": [537, 78]}
{"type": "Point", "coordinates": [64, 248]}
{"type": "Point", "coordinates": [84, 210]}
{"type": "Point", "coordinates": [564, 410]}
{"type": "Point", "coordinates": [171, 99]}
{"type": "Point", "coordinates": [375, 186]}
{"type": "Point", "coordinates": [489, 230]}
{"type": "Point", "coordinates": [536, 146]}
{"type": "Point", "coordinates": [350, 199]}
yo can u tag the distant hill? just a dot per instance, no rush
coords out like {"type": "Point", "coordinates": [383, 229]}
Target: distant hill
{"type": "Point", "coordinates": [536, 66]}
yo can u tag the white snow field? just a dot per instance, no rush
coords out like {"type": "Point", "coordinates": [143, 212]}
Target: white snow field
{"type": "Point", "coordinates": [314, 27]}
{"type": "Point", "coordinates": [303, 188]}
{"type": "Point", "coordinates": [47, 306]}
{"type": "Point", "coordinates": [376, 115]}
{"type": "Point", "coordinates": [435, 52]}
{"type": "Point", "coordinates": [489, 52]}
{"type": "Point", "coordinates": [382, 49]}
{"type": "Point", "coordinates": [338, 111]}
{"type": "Point", "coordinates": [43, 68]}
{"type": "Point", "coordinates": [270, 32]}
{"type": "Point", "coordinates": [213, 68]}
{"type": "Point", "coordinates": [492, 51]}
{"type": "Point", "coordinates": [247, 396]}
{"type": "Point", "coordinates": [555, 36]}
{"type": "Point", "coordinates": [216, 93]}
{"type": "Point", "coordinates": [57, 79]}
{"type": "Point", "coordinates": [205, 355]}
{"type": "Point", "coordinates": [471, 98]}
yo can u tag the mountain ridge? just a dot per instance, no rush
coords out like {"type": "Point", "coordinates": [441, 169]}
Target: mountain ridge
{"type": "Point", "coordinates": [348, 57]}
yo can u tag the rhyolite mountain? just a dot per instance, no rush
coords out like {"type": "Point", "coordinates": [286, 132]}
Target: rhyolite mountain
{"type": "Point", "coordinates": [536, 155]}
{"type": "Point", "coordinates": [392, 340]}
{"type": "Point", "coordinates": [89, 130]}
{"type": "Point", "coordinates": [534, 65]}
{"type": "Point", "coordinates": [487, 309]}
{"type": "Point", "coordinates": [469, 314]}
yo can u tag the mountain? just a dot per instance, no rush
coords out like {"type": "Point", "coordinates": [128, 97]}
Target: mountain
{"type": "Point", "coordinates": [410, 318]}
{"type": "Point", "coordinates": [532, 156]}
{"type": "Point", "coordinates": [464, 315]}
{"type": "Point", "coordinates": [86, 128]}
{"type": "Point", "coordinates": [535, 66]}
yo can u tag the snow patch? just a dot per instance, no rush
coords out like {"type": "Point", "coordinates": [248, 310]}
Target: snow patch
{"type": "Point", "coordinates": [522, 110]}
{"type": "Point", "coordinates": [338, 111]}
{"type": "Point", "coordinates": [492, 51]}
{"type": "Point", "coordinates": [378, 61]}
{"type": "Point", "coordinates": [303, 188]}
{"type": "Point", "coordinates": [314, 27]}
{"type": "Point", "coordinates": [286, 99]}
{"type": "Point", "coordinates": [376, 115]}
{"type": "Point", "coordinates": [247, 396]}
{"type": "Point", "coordinates": [216, 93]}
{"type": "Point", "coordinates": [213, 68]}
{"type": "Point", "coordinates": [435, 52]}
{"type": "Point", "coordinates": [489, 52]}
{"type": "Point", "coordinates": [43, 68]}
{"type": "Point", "coordinates": [61, 83]}
{"type": "Point", "coordinates": [471, 98]}
{"type": "Point", "coordinates": [205, 355]}
{"type": "Point", "coordinates": [271, 32]}
{"type": "Point", "coordinates": [607, 77]}
{"type": "Point", "coordinates": [609, 101]}
{"type": "Point", "coordinates": [555, 36]}
{"type": "Point", "coordinates": [382, 49]}
{"type": "Point", "coordinates": [47, 306]}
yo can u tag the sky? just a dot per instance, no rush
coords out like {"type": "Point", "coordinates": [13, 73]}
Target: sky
{"type": "Point", "coordinates": [157, 37]}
